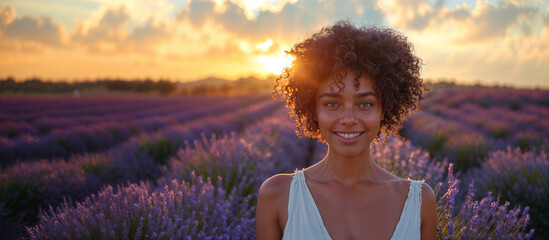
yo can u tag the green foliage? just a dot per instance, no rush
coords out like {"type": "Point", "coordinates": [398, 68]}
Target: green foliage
{"type": "Point", "coordinates": [466, 150]}
{"type": "Point", "coordinates": [436, 142]}
{"type": "Point", "coordinates": [529, 140]}
{"type": "Point", "coordinates": [65, 144]}
{"type": "Point", "coordinates": [159, 148]}
{"type": "Point", "coordinates": [20, 196]}
{"type": "Point", "coordinates": [44, 128]}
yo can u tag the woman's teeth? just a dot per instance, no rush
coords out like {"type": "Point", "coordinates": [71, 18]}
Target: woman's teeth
{"type": "Point", "coordinates": [348, 135]}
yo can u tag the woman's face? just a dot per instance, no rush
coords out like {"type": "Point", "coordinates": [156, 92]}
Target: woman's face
{"type": "Point", "coordinates": [349, 120]}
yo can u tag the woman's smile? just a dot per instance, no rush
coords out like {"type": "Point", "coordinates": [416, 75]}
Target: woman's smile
{"type": "Point", "coordinates": [348, 137]}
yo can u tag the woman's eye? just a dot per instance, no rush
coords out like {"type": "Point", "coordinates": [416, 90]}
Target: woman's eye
{"type": "Point", "coordinates": [366, 105]}
{"type": "Point", "coordinates": [331, 105]}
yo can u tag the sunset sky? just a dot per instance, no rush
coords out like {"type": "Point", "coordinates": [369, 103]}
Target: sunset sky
{"type": "Point", "coordinates": [491, 42]}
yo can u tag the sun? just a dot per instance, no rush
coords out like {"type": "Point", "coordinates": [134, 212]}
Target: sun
{"type": "Point", "coordinates": [275, 64]}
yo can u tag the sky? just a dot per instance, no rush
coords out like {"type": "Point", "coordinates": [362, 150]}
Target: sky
{"type": "Point", "coordinates": [489, 42]}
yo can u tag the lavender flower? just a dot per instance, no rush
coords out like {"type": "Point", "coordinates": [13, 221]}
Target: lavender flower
{"type": "Point", "coordinates": [180, 210]}
{"type": "Point", "coordinates": [484, 219]}
{"type": "Point", "coordinates": [519, 178]}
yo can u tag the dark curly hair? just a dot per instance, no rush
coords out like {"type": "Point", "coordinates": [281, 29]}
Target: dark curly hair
{"type": "Point", "coordinates": [382, 54]}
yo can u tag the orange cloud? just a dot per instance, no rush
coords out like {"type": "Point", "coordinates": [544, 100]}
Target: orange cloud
{"type": "Point", "coordinates": [289, 23]}
{"type": "Point", "coordinates": [29, 35]}
{"type": "Point", "coordinates": [109, 35]}
{"type": "Point", "coordinates": [487, 21]}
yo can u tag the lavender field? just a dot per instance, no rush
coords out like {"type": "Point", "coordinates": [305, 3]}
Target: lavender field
{"type": "Point", "coordinates": [190, 167]}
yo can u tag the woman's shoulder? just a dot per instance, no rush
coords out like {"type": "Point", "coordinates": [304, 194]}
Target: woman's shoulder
{"type": "Point", "coordinates": [273, 198]}
{"type": "Point", "coordinates": [427, 194]}
{"type": "Point", "coordinates": [272, 206]}
{"type": "Point", "coordinates": [276, 185]}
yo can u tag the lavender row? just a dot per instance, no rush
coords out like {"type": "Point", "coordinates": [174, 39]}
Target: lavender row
{"type": "Point", "coordinates": [464, 144]}
{"type": "Point", "coordinates": [519, 178]}
{"type": "Point", "coordinates": [486, 218]}
{"type": "Point", "coordinates": [178, 211]}
{"type": "Point", "coordinates": [514, 99]}
{"type": "Point", "coordinates": [30, 109]}
{"type": "Point", "coordinates": [98, 137]}
{"type": "Point", "coordinates": [28, 186]}
{"type": "Point", "coordinates": [465, 125]}
{"type": "Point", "coordinates": [43, 121]}
{"type": "Point", "coordinates": [499, 114]}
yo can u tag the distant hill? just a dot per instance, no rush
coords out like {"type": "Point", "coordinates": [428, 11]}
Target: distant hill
{"type": "Point", "coordinates": [215, 81]}
{"type": "Point", "coordinates": [211, 81]}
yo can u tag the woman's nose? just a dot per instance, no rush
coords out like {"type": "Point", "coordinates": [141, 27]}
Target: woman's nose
{"type": "Point", "coordinates": [348, 117]}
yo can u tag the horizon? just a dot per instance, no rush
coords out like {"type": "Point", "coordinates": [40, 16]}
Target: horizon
{"type": "Point", "coordinates": [486, 42]}
{"type": "Point", "coordinates": [427, 81]}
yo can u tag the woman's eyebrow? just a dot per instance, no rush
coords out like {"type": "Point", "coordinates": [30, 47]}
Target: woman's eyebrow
{"type": "Point", "coordinates": [330, 95]}
{"type": "Point", "coordinates": [365, 94]}
{"type": "Point", "coordinates": [337, 95]}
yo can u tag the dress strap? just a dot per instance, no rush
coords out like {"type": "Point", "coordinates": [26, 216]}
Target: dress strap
{"type": "Point", "coordinates": [409, 225]}
{"type": "Point", "coordinates": [304, 219]}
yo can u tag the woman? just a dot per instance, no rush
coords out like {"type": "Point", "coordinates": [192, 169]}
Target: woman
{"type": "Point", "coordinates": [348, 86]}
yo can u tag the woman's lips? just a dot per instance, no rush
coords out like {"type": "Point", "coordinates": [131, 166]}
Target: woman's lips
{"type": "Point", "coordinates": [348, 137]}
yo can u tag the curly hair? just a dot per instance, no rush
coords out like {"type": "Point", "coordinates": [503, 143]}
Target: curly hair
{"type": "Point", "coordinates": [382, 54]}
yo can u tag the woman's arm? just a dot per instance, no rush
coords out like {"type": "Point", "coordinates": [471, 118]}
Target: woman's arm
{"type": "Point", "coordinates": [271, 202]}
{"type": "Point", "coordinates": [428, 213]}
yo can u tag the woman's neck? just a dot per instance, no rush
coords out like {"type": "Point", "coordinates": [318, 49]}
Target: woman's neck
{"type": "Point", "coordinates": [348, 170]}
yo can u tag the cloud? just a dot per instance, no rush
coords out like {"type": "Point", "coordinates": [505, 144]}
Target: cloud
{"type": "Point", "coordinates": [40, 33]}
{"type": "Point", "coordinates": [416, 15]}
{"type": "Point", "coordinates": [138, 10]}
{"type": "Point", "coordinates": [527, 51]}
{"type": "Point", "coordinates": [110, 37]}
{"type": "Point", "coordinates": [107, 36]}
{"type": "Point", "coordinates": [545, 17]}
{"type": "Point", "coordinates": [292, 21]}
{"type": "Point", "coordinates": [505, 41]}
{"type": "Point", "coordinates": [231, 51]}
{"type": "Point", "coordinates": [486, 22]}
{"type": "Point", "coordinates": [7, 15]}
{"type": "Point", "coordinates": [145, 37]}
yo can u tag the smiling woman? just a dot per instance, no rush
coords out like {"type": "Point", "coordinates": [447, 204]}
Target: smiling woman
{"type": "Point", "coordinates": [348, 86]}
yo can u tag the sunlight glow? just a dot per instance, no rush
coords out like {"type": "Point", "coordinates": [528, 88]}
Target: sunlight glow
{"type": "Point", "coordinates": [265, 45]}
{"type": "Point", "coordinates": [275, 64]}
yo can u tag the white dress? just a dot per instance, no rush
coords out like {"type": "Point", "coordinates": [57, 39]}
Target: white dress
{"type": "Point", "coordinates": [305, 222]}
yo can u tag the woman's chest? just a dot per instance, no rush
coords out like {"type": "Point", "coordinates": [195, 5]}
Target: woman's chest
{"type": "Point", "coordinates": [359, 213]}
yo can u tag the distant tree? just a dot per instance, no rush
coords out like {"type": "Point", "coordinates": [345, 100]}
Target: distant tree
{"type": "Point", "coordinates": [200, 90]}
{"type": "Point", "coordinates": [165, 87]}
{"type": "Point", "coordinates": [8, 84]}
